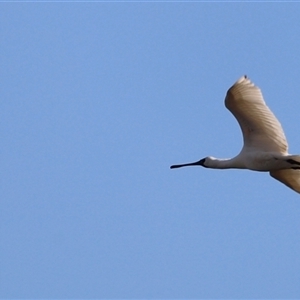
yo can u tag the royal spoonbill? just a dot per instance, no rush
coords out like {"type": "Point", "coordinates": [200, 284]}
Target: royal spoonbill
{"type": "Point", "coordinates": [265, 146]}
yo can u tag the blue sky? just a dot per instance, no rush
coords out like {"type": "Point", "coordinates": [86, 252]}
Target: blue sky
{"type": "Point", "coordinates": [97, 101]}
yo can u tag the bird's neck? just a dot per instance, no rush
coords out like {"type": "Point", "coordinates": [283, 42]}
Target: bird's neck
{"type": "Point", "coordinates": [232, 163]}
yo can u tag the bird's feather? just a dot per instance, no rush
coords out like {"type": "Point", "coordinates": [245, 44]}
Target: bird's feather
{"type": "Point", "coordinates": [261, 129]}
{"type": "Point", "coordinates": [289, 177]}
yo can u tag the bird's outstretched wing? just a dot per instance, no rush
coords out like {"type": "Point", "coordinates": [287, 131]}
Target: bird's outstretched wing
{"type": "Point", "coordinates": [289, 177]}
{"type": "Point", "coordinates": [261, 130]}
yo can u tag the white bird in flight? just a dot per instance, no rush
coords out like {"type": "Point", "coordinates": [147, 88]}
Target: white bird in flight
{"type": "Point", "coordinates": [265, 146]}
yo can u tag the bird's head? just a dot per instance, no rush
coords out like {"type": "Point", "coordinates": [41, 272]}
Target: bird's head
{"type": "Point", "coordinates": [204, 162]}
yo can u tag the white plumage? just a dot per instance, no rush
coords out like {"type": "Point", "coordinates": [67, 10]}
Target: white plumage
{"type": "Point", "coordinates": [265, 146]}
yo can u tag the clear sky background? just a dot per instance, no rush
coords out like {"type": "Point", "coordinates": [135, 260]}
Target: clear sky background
{"type": "Point", "coordinates": [97, 101]}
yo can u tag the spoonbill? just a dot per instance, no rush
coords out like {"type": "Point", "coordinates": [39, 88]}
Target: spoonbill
{"type": "Point", "coordinates": [265, 146]}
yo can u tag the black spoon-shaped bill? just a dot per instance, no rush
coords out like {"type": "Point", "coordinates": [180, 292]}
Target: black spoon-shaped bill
{"type": "Point", "coordinates": [196, 163]}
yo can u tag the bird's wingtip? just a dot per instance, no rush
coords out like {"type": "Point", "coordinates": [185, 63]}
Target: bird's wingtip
{"type": "Point", "coordinates": [242, 79]}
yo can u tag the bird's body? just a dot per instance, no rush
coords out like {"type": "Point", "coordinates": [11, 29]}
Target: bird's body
{"type": "Point", "coordinates": [265, 146]}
